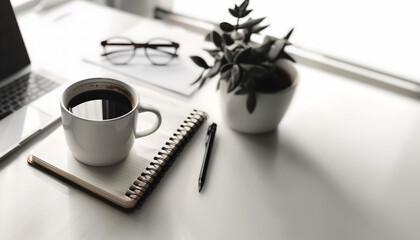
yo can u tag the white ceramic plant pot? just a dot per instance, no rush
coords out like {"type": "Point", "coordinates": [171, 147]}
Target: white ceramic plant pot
{"type": "Point", "coordinates": [270, 108]}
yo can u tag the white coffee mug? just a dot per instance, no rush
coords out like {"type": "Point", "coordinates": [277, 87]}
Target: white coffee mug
{"type": "Point", "coordinates": [98, 142]}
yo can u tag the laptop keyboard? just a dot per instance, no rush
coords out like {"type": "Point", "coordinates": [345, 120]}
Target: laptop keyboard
{"type": "Point", "coordinates": [23, 91]}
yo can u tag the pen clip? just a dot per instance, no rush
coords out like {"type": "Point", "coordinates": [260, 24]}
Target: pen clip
{"type": "Point", "coordinates": [210, 131]}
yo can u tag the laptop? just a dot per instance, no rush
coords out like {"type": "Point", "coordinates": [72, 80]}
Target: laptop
{"type": "Point", "coordinates": [29, 102]}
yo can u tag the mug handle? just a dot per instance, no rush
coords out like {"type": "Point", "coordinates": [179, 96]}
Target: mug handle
{"type": "Point", "coordinates": [144, 132]}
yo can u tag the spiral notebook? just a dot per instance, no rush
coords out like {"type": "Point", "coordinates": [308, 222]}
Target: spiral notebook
{"type": "Point", "coordinates": [128, 183]}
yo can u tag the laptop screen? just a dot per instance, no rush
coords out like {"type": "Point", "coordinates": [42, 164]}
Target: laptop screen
{"type": "Point", "coordinates": [13, 54]}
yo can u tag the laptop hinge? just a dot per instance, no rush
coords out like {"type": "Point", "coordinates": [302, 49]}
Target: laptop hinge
{"type": "Point", "coordinates": [15, 75]}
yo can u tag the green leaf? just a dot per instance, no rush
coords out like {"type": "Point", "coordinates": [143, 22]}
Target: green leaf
{"type": "Point", "coordinates": [237, 8]}
{"type": "Point", "coordinates": [198, 79]}
{"type": "Point", "coordinates": [247, 34]}
{"type": "Point", "coordinates": [215, 69]}
{"type": "Point", "coordinates": [236, 70]}
{"type": "Point", "coordinates": [254, 70]}
{"type": "Point", "coordinates": [246, 79]}
{"type": "Point", "coordinates": [217, 39]}
{"type": "Point", "coordinates": [244, 5]}
{"type": "Point", "coordinates": [228, 39]}
{"type": "Point", "coordinates": [202, 82]}
{"type": "Point", "coordinates": [286, 56]}
{"type": "Point", "coordinates": [199, 61]}
{"type": "Point", "coordinates": [268, 38]}
{"type": "Point", "coordinates": [225, 75]}
{"type": "Point", "coordinates": [204, 79]}
{"type": "Point", "coordinates": [227, 27]}
{"type": "Point", "coordinates": [213, 52]}
{"type": "Point", "coordinates": [223, 61]}
{"type": "Point", "coordinates": [208, 37]}
{"type": "Point", "coordinates": [244, 13]}
{"type": "Point", "coordinates": [226, 67]}
{"type": "Point", "coordinates": [289, 34]}
{"type": "Point", "coordinates": [228, 55]}
{"type": "Point", "coordinates": [234, 78]}
{"type": "Point", "coordinates": [242, 91]}
{"type": "Point", "coordinates": [218, 84]}
{"type": "Point", "coordinates": [263, 49]}
{"type": "Point", "coordinates": [242, 55]}
{"type": "Point", "coordinates": [251, 102]}
{"type": "Point", "coordinates": [277, 48]}
{"type": "Point", "coordinates": [251, 22]}
{"type": "Point", "coordinates": [234, 12]}
{"type": "Point", "coordinates": [257, 71]}
{"type": "Point", "coordinates": [259, 28]}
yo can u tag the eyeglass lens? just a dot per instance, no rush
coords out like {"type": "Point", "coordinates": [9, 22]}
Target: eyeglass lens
{"type": "Point", "coordinates": [162, 54]}
{"type": "Point", "coordinates": [121, 53]}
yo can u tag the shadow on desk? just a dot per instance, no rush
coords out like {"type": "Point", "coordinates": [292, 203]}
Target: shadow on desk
{"type": "Point", "coordinates": [267, 141]}
{"type": "Point", "coordinates": [304, 191]}
{"type": "Point", "coordinates": [284, 174]}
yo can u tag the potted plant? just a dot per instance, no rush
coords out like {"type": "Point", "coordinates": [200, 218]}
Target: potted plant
{"type": "Point", "coordinates": [257, 80]}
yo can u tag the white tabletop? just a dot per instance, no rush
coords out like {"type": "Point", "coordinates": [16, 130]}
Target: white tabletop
{"type": "Point", "coordinates": [343, 164]}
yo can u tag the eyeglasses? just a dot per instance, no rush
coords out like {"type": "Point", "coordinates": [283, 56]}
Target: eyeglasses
{"type": "Point", "coordinates": [121, 50]}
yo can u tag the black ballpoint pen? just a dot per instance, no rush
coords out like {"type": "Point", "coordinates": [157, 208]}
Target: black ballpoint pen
{"type": "Point", "coordinates": [211, 133]}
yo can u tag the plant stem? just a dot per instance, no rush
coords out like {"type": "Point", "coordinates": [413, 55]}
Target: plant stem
{"type": "Point", "coordinates": [237, 25]}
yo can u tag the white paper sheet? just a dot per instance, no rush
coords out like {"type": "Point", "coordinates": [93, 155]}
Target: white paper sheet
{"type": "Point", "coordinates": [177, 76]}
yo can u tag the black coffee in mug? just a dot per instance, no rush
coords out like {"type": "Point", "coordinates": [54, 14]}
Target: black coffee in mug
{"type": "Point", "coordinates": [114, 107]}
{"type": "Point", "coordinates": [100, 105]}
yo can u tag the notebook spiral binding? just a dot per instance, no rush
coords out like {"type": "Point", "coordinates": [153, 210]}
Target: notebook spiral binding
{"type": "Point", "coordinates": [147, 181]}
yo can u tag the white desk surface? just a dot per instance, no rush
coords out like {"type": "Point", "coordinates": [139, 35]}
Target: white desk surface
{"type": "Point", "coordinates": [343, 164]}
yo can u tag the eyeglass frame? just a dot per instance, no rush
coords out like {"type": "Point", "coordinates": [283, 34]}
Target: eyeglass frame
{"type": "Point", "coordinates": [141, 45]}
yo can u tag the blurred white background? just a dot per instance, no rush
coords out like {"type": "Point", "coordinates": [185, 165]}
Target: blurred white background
{"type": "Point", "coordinates": [380, 34]}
